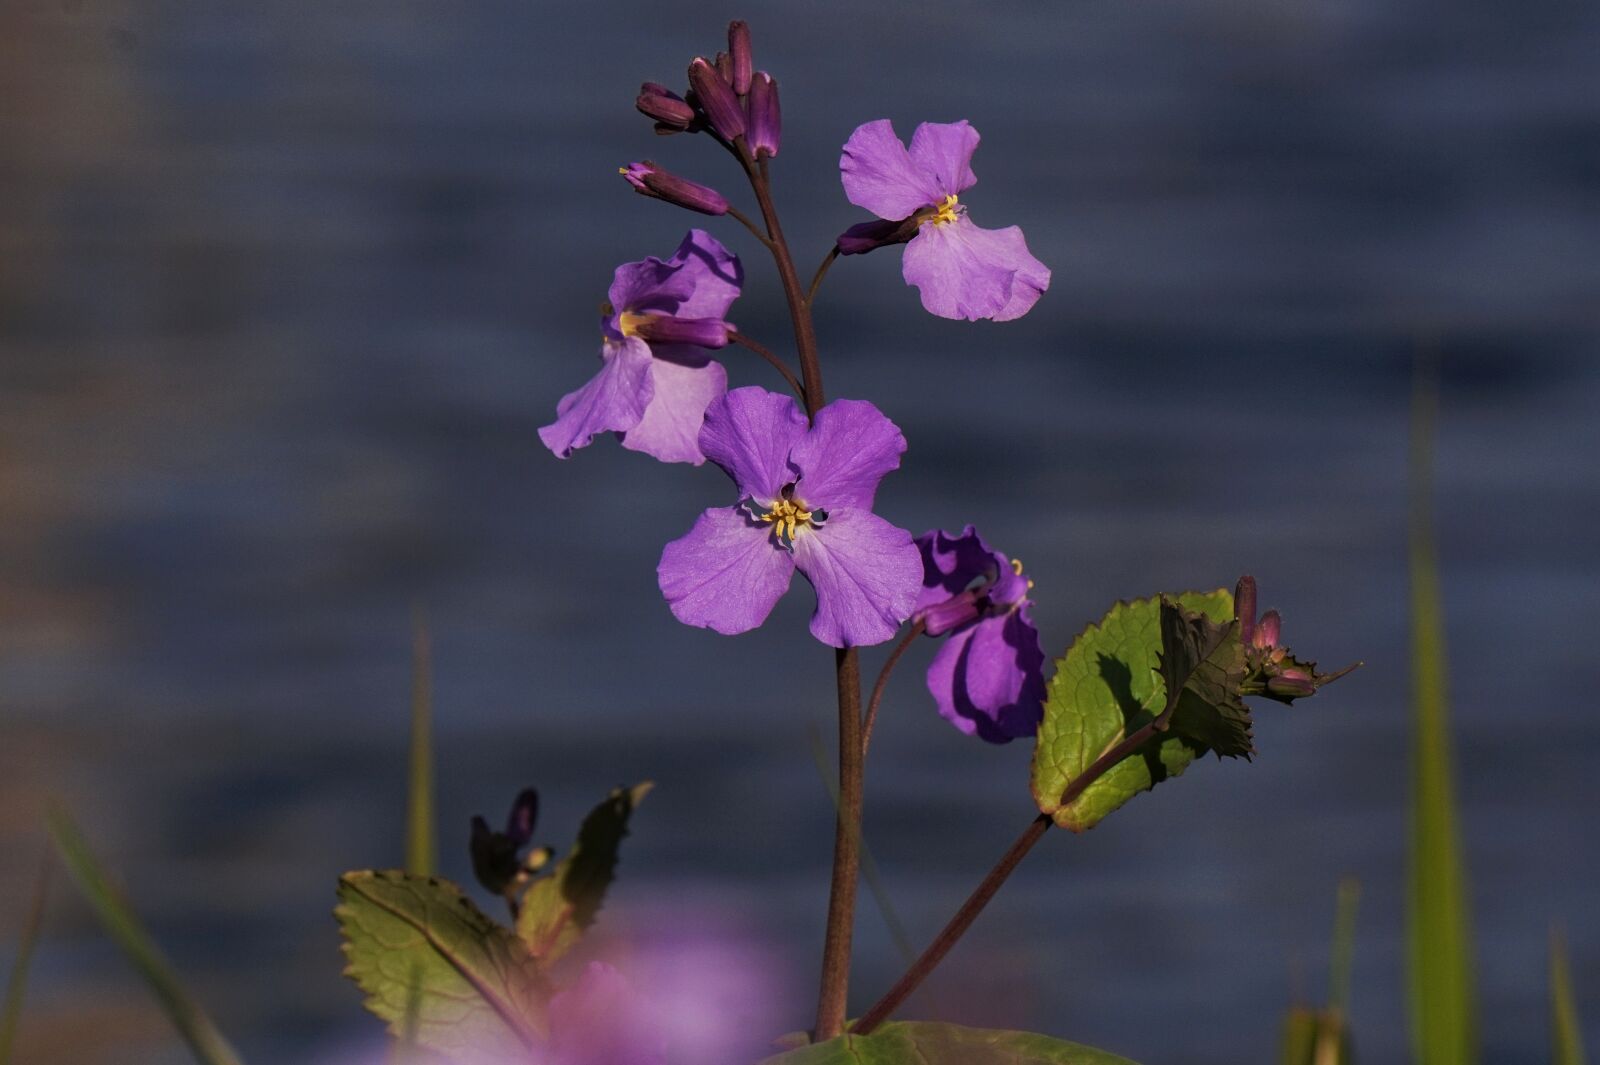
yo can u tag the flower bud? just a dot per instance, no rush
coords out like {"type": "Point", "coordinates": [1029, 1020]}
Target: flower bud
{"type": "Point", "coordinates": [649, 180]}
{"type": "Point", "coordinates": [1244, 608]}
{"type": "Point", "coordinates": [765, 118]}
{"type": "Point", "coordinates": [665, 106]}
{"type": "Point", "coordinates": [717, 99]}
{"type": "Point", "coordinates": [869, 236]}
{"type": "Point", "coordinates": [724, 65]}
{"type": "Point", "coordinates": [739, 55]}
{"type": "Point", "coordinates": [1268, 631]}
{"type": "Point", "coordinates": [1291, 684]}
{"type": "Point", "coordinates": [523, 816]}
{"type": "Point", "coordinates": [665, 329]}
{"type": "Point", "coordinates": [952, 613]}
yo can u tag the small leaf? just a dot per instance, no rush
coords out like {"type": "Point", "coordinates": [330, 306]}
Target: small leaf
{"type": "Point", "coordinates": [432, 962]}
{"type": "Point", "coordinates": [928, 1043]}
{"type": "Point", "coordinates": [1205, 663]}
{"type": "Point", "coordinates": [560, 907]}
{"type": "Point", "coordinates": [1108, 686]}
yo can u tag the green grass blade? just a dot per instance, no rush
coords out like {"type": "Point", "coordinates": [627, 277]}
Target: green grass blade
{"type": "Point", "coordinates": [869, 866]}
{"type": "Point", "coordinates": [206, 1042]}
{"type": "Point", "coordinates": [16, 987]}
{"type": "Point", "coordinates": [421, 844]}
{"type": "Point", "coordinates": [1344, 946]}
{"type": "Point", "coordinates": [1442, 1009]}
{"type": "Point", "coordinates": [1566, 1038]}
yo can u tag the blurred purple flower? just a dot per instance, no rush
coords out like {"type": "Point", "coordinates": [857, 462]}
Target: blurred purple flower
{"type": "Point", "coordinates": [600, 1021]}
{"type": "Point", "coordinates": [988, 678]}
{"type": "Point", "coordinates": [962, 270]}
{"type": "Point", "coordinates": [805, 502]}
{"type": "Point", "coordinates": [655, 379]}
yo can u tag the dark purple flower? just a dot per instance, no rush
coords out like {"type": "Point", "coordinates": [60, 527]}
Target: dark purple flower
{"type": "Point", "coordinates": [717, 99]}
{"type": "Point", "coordinates": [988, 678]}
{"type": "Point", "coordinates": [648, 179]}
{"type": "Point", "coordinates": [671, 112]}
{"type": "Point", "coordinates": [805, 502]}
{"type": "Point", "coordinates": [961, 270]}
{"type": "Point", "coordinates": [655, 378]}
{"type": "Point", "coordinates": [496, 856]}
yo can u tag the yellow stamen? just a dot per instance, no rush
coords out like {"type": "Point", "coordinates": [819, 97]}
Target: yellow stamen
{"type": "Point", "coordinates": [944, 212]}
{"type": "Point", "coordinates": [1016, 566]}
{"type": "Point", "coordinates": [787, 517]}
{"type": "Point", "coordinates": [628, 323]}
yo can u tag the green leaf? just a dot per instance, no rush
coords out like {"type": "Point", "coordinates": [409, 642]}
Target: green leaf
{"type": "Point", "coordinates": [1566, 1037]}
{"type": "Point", "coordinates": [1108, 686]}
{"type": "Point", "coordinates": [205, 1041]}
{"type": "Point", "coordinates": [1443, 1014]}
{"type": "Point", "coordinates": [1204, 662]}
{"type": "Point", "coordinates": [432, 962]}
{"type": "Point", "coordinates": [928, 1043]}
{"type": "Point", "coordinates": [16, 986]}
{"type": "Point", "coordinates": [560, 907]}
{"type": "Point", "coordinates": [1315, 1037]}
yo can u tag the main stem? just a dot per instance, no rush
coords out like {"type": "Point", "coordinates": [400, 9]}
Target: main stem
{"type": "Point", "coordinates": [835, 985]}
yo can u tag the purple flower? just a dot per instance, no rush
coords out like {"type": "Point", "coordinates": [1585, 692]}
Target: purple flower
{"type": "Point", "coordinates": [805, 502]}
{"type": "Point", "coordinates": [655, 380]}
{"type": "Point", "coordinates": [600, 1020]}
{"type": "Point", "coordinates": [988, 678]}
{"type": "Point", "coordinates": [962, 271]}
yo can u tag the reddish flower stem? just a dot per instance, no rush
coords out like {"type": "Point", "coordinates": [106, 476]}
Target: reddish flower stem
{"type": "Point", "coordinates": [883, 682]}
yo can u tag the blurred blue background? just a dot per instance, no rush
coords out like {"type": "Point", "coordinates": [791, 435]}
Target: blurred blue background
{"type": "Point", "coordinates": [286, 289]}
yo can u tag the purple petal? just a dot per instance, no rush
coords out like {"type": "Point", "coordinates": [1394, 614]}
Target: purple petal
{"type": "Point", "coordinates": [951, 563]}
{"type": "Point", "coordinates": [850, 447]}
{"type": "Point", "coordinates": [944, 151]}
{"type": "Point", "coordinates": [866, 573]}
{"type": "Point", "coordinates": [726, 573]}
{"type": "Point", "coordinates": [749, 432]}
{"type": "Point", "coordinates": [714, 273]}
{"type": "Point", "coordinates": [614, 399]}
{"type": "Point", "coordinates": [601, 1020]}
{"type": "Point", "coordinates": [879, 175]}
{"type": "Point", "coordinates": [988, 679]}
{"type": "Point", "coordinates": [964, 271]}
{"type": "Point", "coordinates": [670, 427]}
{"type": "Point", "coordinates": [649, 285]}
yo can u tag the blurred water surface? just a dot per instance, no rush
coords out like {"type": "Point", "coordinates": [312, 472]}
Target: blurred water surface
{"type": "Point", "coordinates": [285, 291]}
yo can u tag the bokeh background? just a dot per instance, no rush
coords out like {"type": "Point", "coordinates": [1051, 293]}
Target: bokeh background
{"type": "Point", "coordinates": [286, 290]}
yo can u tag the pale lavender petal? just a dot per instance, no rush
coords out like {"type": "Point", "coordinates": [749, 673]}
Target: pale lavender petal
{"type": "Point", "coordinates": [879, 175]}
{"type": "Point", "coordinates": [944, 150]}
{"type": "Point", "coordinates": [670, 427]}
{"type": "Point", "coordinates": [726, 573]}
{"type": "Point", "coordinates": [601, 1020]}
{"type": "Point", "coordinates": [988, 679]}
{"type": "Point", "coordinates": [614, 399]}
{"type": "Point", "coordinates": [714, 273]}
{"type": "Point", "coordinates": [749, 432]}
{"type": "Point", "coordinates": [649, 285]}
{"type": "Point", "coordinates": [964, 271]}
{"type": "Point", "coordinates": [850, 447]}
{"type": "Point", "coordinates": [866, 573]}
{"type": "Point", "coordinates": [950, 563]}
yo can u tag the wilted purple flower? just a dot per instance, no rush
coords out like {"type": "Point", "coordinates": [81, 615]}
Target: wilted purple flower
{"type": "Point", "coordinates": [805, 502]}
{"type": "Point", "coordinates": [655, 380]}
{"type": "Point", "coordinates": [988, 678]}
{"type": "Point", "coordinates": [648, 179]}
{"type": "Point", "coordinates": [600, 1020]}
{"type": "Point", "coordinates": [961, 270]}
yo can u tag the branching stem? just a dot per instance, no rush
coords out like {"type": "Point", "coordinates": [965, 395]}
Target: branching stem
{"type": "Point", "coordinates": [777, 363]}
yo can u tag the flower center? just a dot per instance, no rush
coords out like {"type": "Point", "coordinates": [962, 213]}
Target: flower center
{"type": "Point", "coordinates": [944, 212]}
{"type": "Point", "coordinates": [628, 323]}
{"type": "Point", "coordinates": [789, 515]}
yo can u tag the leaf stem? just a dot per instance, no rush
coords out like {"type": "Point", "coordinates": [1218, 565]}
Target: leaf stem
{"type": "Point", "coordinates": [777, 363]}
{"type": "Point", "coordinates": [883, 682]}
{"type": "Point", "coordinates": [958, 925]}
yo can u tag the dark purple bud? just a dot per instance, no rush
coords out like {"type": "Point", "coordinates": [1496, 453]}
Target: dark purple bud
{"type": "Point", "coordinates": [650, 180]}
{"type": "Point", "coordinates": [1291, 684]}
{"type": "Point", "coordinates": [1244, 608]}
{"type": "Point", "coordinates": [717, 99]}
{"type": "Point", "coordinates": [665, 106]}
{"type": "Point", "coordinates": [494, 858]}
{"type": "Point", "coordinates": [739, 55]}
{"type": "Point", "coordinates": [523, 816]}
{"type": "Point", "coordinates": [869, 236]}
{"type": "Point", "coordinates": [765, 119]}
{"type": "Point", "coordinates": [724, 65]}
{"type": "Point", "coordinates": [1267, 632]}
{"type": "Point", "coordinates": [665, 329]}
